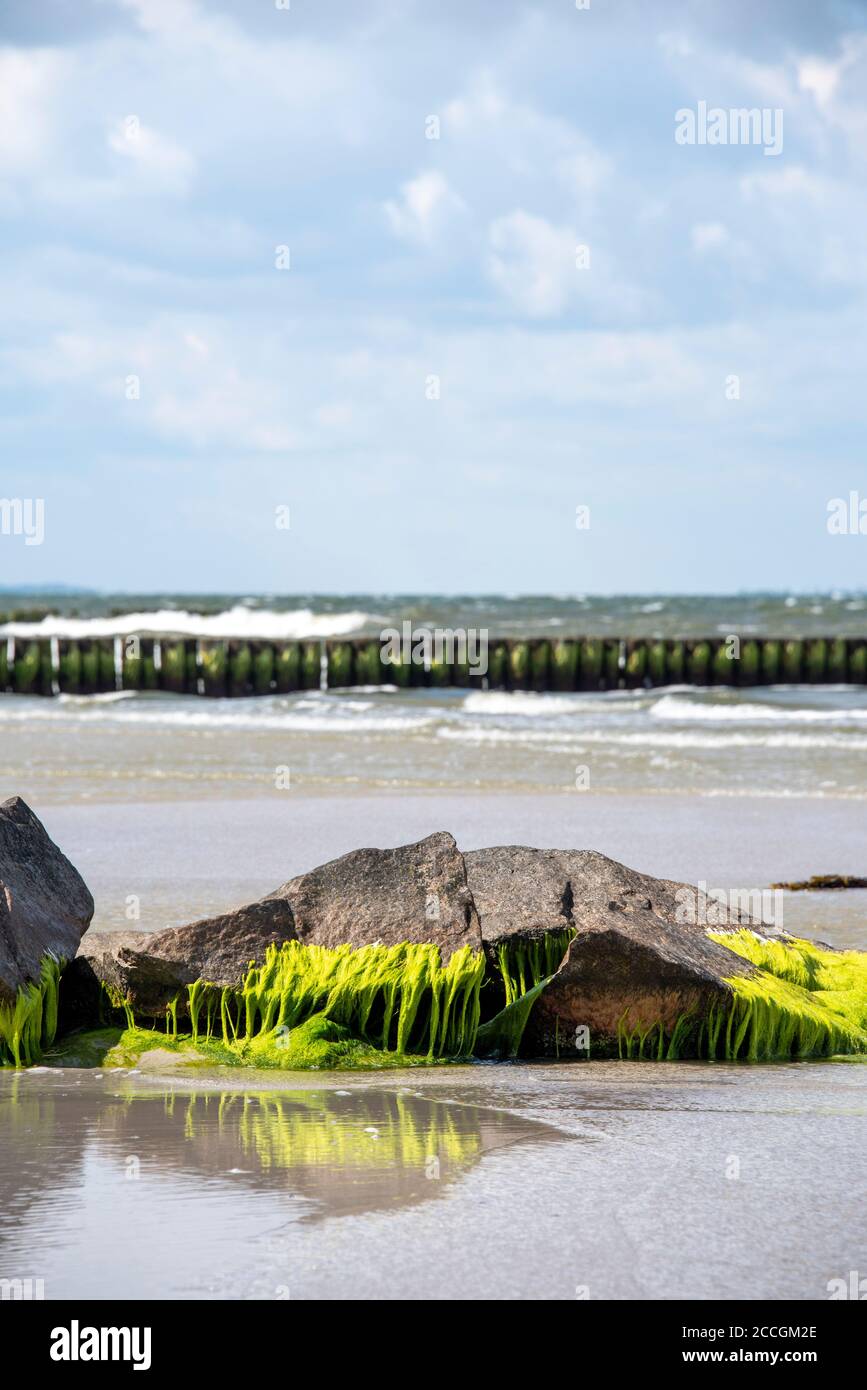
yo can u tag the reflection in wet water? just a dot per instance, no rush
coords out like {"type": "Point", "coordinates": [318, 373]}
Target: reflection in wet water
{"type": "Point", "coordinates": [462, 1182]}
{"type": "Point", "coordinates": [204, 1160]}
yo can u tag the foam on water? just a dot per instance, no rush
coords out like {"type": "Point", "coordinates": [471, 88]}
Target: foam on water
{"type": "Point", "coordinates": [238, 621]}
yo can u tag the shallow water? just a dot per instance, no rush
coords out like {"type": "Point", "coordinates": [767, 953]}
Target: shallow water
{"type": "Point", "coordinates": [624, 1180]}
{"type": "Point", "coordinates": [762, 743]}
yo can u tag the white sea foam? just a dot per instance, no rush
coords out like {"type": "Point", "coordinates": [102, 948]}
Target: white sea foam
{"type": "Point", "coordinates": [674, 708]}
{"type": "Point", "coordinates": [239, 621]}
{"type": "Point", "coordinates": [545, 705]}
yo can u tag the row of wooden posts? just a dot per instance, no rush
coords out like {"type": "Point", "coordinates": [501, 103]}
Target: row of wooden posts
{"type": "Point", "coordinates": [205, 667]}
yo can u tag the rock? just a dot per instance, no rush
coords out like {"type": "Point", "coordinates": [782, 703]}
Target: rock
{"type": "Point", "coordinates": [624, 973]}
{"type": "Point", "coordinates": [523, 892]}
{"type": "Point", "coordinates": [416, 893]}
{"type": "Point", "coordinates": [150, 969]}
{"type": "Point", "coordinates": [45, 906]}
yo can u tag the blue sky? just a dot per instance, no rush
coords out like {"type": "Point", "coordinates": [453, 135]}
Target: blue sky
{"type": "Point", "coordinates": [155, 153]}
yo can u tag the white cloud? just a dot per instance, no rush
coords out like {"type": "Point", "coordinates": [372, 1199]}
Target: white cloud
{"type": "Point", "coordinates": [533, 263]}
{"type": "Point", "coordinates": [708, 236]}
{"type": "Point", "coordinates": [426, 205]}
{"type": "Point", "coordinates": [154, 154]}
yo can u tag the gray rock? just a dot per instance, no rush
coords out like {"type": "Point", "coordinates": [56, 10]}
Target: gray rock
{"type": "Point", "coordinates": [45, 906]}
{"type": "Point", "coordinates": [415, 893]}
{"type": "Point", "coordinates": [150, 969]}
{"type": "Point", "coordinates": [628, 971]}
{"type": "Point", "coordinates": [523, 892]}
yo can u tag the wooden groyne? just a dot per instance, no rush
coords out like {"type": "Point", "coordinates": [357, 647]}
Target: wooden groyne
{"type": "Point", "coordinates": [237, 667]}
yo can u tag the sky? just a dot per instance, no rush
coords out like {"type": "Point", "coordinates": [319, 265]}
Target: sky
{"type": "Point", "coordinates": [421, 280]}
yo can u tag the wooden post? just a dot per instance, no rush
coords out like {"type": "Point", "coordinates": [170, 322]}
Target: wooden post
{"type": "Point", "coordinates": [838, 666]}
{"type": "Point", "coordinates": [540, 665]}
{"type": "Point", "coordinates": [771, 659]}
{"type": "Point", "coordinates": [240, 668]}
{"type": "Point", "coordinates": [564, 665]}
{"type": "Point", "coordinates": [69, 674]}
{"type": "Point", "coordinates": [498, 665]}
{"type": "Point", "coordinates": [816, 661]}
{"type": "Point", "coordinates": [657, 664]}
{"type": "Point", "coordinates": [749, 668]}
{"type": "Point", "coordinates": [698, 662]}
{"type": "Point", "coordinates": [857, 661]}
{"type": "Point", "coordinates": [287, 668]}
{"type": "Point", "coordinates": [590, 664]}
{"type": "Point", "coordinates": [340, 665]}
{"type": "Point", "coordinates": [519, 665]}
{"type": "Point", "coordinates": [636, 663]}
{"type": "Point", "coordinates": [793, 656]}
{"type": "Point", "coordinates": [28, 664]}
{"type": "Point", "coordinates": [263, 668]}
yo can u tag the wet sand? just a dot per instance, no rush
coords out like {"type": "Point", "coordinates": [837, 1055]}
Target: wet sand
{"type": "Point", "coordinates": [183, 860]}
{"type": "Point", "coordinates": [599, 1180]}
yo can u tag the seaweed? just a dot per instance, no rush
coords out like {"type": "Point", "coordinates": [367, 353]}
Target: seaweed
{"type": "Point", "coordinates": [29, 1023]}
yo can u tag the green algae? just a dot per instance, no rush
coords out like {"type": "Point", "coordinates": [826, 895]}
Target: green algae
{"type": "Point", "coordinates": [29, 1024]}
{"type": "Point", "coordinates": [524, 963]}
{"type": "Point", "coordinates": [803, 1000]}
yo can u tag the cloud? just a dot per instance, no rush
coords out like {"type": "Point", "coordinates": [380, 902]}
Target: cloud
{"type": "Point", "coordinates": [426, 206]}
{"type": "Point", "coordinates": [532, 262]}
{"type": "Point", "coordinates": [151, 153]}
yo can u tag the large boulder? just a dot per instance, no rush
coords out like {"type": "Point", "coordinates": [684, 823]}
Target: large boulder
{"type": "Point", "coordinates": [623, 974]}
{"type": "Point", "coordinates": [45, 906]}
{"type": "Point", "coordinates": [523, 893]}
{"type": "Point", "coordinates": [415, 893]}
{"type": "Point", "coordinates": [151, 969]}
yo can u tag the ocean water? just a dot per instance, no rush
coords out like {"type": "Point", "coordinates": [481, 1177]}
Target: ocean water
{"type": "Point", "coordinates": [70, 613]}
{"type": "Point", "coordinates": [765, 742]}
